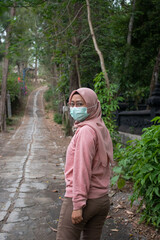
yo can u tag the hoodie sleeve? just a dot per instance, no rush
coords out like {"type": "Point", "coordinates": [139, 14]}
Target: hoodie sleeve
{"type": "Point", "coordinates": [85, 151]}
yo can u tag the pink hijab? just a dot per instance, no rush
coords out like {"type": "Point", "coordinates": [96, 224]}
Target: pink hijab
{"type": "Point", "coordinates": [94, 120]}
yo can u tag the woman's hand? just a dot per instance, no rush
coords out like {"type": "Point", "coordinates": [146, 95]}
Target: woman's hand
{"type": "Point", "coordinates": [77, 216]}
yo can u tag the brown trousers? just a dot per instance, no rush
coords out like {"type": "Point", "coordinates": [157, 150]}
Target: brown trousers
{"type": "Point", "coordinates": [94, 215]}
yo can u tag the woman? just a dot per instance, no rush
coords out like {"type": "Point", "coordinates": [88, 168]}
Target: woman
{"type": "Point", "coordinates": [87, 171]}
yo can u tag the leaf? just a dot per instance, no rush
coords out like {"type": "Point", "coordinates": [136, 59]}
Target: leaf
{"type": "Point", "coordinates": [119, 207]}
{"type": "Point", "coordinates": [53, 229]}
{"type": "Point", "coordinates": [121, 183]}
{"type": "Point", "coordinates": [159, 178]}
{"type": "Point", "coordinates": [156, 120]}
{"type": "Point", "coordinates": [157, 208]}
{"type": "Point", "coordinates": [108, 217]}
{"type": "Point", "coordinates": [55, 191]}
{"type": "Point", "coordinates": [117, 169]}
{"type": "Point", "coordinates": [129, 212]}
{"type": "Point", "coordinates": [156, 190]}
{"type": "Point", "coordinates": [114, 180]}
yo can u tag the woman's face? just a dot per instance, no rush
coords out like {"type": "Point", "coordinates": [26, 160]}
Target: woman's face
{"type": "Point", "coordinates": [77, 101]}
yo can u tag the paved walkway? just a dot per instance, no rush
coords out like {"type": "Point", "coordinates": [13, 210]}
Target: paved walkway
{"type": "Point", "coordinates": [32, 181]}
{"type": "Point", "coordinates": [31, 169]}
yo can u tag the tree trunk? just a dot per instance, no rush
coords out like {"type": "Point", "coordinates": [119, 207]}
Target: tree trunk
{"type": "Point", "coordinates": [75, 79]}
{"type": "Point", "coordinates": [129, 37]}
{"type": "Point", "coordinates": [78, 72]}
{"type": "Point", "coordinates": [96, 45]}
{"type": "Point", "coordinates": [3, 94]}
{"type": "Point", "coordinates": [55, 74]}
{"type": "Point", "coordinates": [36, 69]}
{"type": "Point", "coordinates": [4, 75]}
{"type": "Point", "coordinates": [130, 26]}
{"type": "Point", "coordinates": [18, 68]}
{"type": "Point", "coordinates": [155, 73]}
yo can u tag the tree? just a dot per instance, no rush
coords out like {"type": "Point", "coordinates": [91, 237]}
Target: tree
{"type": "Point", "coordinates": [155, 74]}
{"type": "Point", "coordinates": [59, 36]}
{"type": "Point", "coordinates": [5, 73]}
{"type": "Point", "coordinates": [96, 45]}
{"type": "Point", "coordinates": [145, 42]}
{"type": "Point", "coordinates": [75, 79]}
{"type": "Point", "coordinates": [129, 36]}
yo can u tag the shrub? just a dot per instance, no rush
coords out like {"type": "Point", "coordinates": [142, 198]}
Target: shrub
{"type": "Point", "coordinates": [140, 162]}
{"type": "Point", "coordinates": [48, 95]}
{"type": "Point", "coordinates": [13, 86]}
{"type": "Point", "coordinates": [58, 118]}
{"type": "Point", "coordinates": [109, 102]}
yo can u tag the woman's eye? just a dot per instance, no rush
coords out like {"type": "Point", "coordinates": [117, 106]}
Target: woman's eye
{"type": "Point", "coordinates": [79, 104]}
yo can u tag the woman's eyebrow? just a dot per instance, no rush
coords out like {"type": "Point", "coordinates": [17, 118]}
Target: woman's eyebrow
{"type": "Point", "coordinates": [77, 101]}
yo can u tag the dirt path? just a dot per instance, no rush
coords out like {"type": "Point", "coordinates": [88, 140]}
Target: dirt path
{"type": "Point", "coordinates": [32, 183]}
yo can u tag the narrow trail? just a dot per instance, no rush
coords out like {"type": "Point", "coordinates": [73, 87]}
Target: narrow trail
{"type": "Point", "coordinates": [28, 153]}
{"type": "Point", "coordinates": [31, 165]}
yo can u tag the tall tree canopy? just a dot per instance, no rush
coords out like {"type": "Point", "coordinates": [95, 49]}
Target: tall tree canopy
{"type": "Point", "coordinates": [55, 36]}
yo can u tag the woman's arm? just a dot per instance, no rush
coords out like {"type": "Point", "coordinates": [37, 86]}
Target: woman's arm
{"type": "Point", "coordinates": [85, 151]}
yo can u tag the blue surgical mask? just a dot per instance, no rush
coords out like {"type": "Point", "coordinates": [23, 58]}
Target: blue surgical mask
{"type": "Point", "coordinates": [79, 113]}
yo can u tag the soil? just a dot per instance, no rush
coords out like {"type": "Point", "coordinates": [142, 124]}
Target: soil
{"type": "Point", "coordinates": [122, 211]}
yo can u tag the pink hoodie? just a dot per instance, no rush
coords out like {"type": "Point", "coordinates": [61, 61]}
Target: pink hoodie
{"type": "Point", "coordinates": [89, 154]}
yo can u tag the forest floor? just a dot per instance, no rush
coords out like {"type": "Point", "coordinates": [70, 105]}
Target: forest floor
{"type": "Point", "coordinates": [122, 217]}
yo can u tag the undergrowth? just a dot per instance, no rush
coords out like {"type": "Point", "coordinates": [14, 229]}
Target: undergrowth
{"type": "Point", "coordinates": [140, 162]}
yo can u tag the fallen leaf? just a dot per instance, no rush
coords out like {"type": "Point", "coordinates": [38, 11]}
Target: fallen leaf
{"type": "Point", "coordinates": [119, 207]}
{"type": "Point", "coordinates": [116, 210]}
{"type": "Point", "coordinates": [53, 229]}
{"type": "Point", "coordinates": [54, 190]}
{"type": "Point", "coordinates": [130, 213]}
{"type": "Point", "coordinates": [114, 230]}
{"type": "Point", "coordinates": [108, 217]}
{"type": "Point", "coordinates": [112, 193]}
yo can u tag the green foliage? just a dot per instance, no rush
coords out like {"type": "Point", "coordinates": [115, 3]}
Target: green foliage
{"type": "Point", "coordinates": [63, 85]}
{"type": "Point", "coordinates": [13, 86]}
{"type": "Point", "coordinates": [51, 98]}
{"type": "Point", "coordinates": [140, 162]}
{"type": "Point", "coordinates": [145, 35]}
{"type": "Point", "coordinates": [48, 95]}
{"type": "Point", "coordinates": [21, 3]}
{"type": "Point", "coordinates": [109, 101]}
{"type": "Point", "coordinates": [58, 118]}
{"type": "Point", "coordinates": [139, 95]}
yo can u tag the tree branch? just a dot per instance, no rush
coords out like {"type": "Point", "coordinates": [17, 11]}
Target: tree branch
{"type": "Point", "coordinates": [59, 33]}
{"type": "Point", "coordinates": [96, 45]}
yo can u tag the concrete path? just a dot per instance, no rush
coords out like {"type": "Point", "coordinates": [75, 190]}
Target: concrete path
{"type": "Point", "coordinates": [31, 171]}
